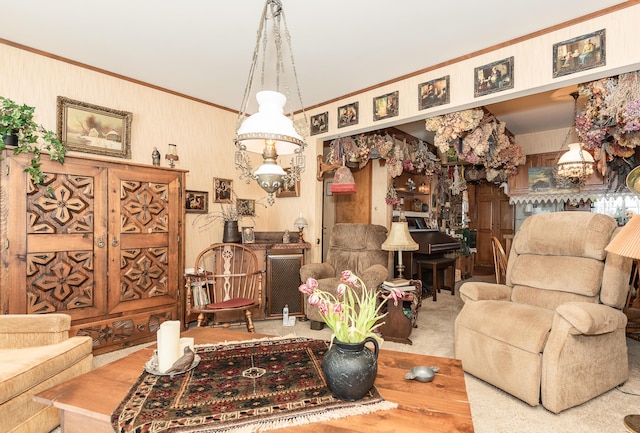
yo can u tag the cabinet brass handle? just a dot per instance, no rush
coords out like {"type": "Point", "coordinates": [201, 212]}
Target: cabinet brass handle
{"type": "Point", "coordinates": [100, 243]}
{"type": "Point", "coordinates": [114, 242]}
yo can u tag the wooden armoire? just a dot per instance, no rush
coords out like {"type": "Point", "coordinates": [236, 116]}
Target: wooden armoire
{"type": "Point", "coordinates": [102, 241]}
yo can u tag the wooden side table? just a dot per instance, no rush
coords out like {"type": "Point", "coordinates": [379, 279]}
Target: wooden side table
{"type": "Point", "coordinates": [401, 318]}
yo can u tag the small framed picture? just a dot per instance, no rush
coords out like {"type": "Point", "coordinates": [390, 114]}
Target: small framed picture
{"type": "Point", "coordinates": [248, 235]}
{"type": "Point", "coordinates": [246, 207]}
{"type": "Point", "coordinates": [348, 115]}
{"type": "Point", "coordinates": [290, 190]}
{"type": "Point", "coordinates": [320, 123]}
{"type": "Point", "coordinates": [385, 106]}
{"type": "Point", "coordinates": [494, 77]}
{"type": "Point", "coordinates": [222, 189]}
{"type": "Point", "coordinates": [579, 54]}
{"type": "Point", "coordinates": [433, 93]}
{"type": "Point", "coordinates": [197, 202]}
{"type": "Point", "coordinates": [93, 129]}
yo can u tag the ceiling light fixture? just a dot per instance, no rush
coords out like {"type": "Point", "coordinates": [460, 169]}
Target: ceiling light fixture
{"type": "Point", "coordinates": [576, 163]}
{"type": "Point", "coordinates": [269, 131]}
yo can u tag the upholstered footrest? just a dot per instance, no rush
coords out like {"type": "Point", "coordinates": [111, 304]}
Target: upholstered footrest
{"type": "Point", "coordinates": [498, 349]}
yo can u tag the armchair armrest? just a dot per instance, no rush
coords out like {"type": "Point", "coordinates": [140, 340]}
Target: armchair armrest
{"type": "Point", "coordinates": [591, 319]}
{"type": "Point", "coordinates": [318, 271]}
{"type": "Point", "coordinates": [479, 291]}
{"type": "Point", "coordinates": [29, 330]}
{"type": "Point", "coordinates": [374, 275]}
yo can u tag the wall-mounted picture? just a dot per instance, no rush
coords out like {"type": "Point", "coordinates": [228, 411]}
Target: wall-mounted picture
{"type": "Point", "coordinates": [385, 106]}
{"type": "Point", "coordinates": [246, 207]}
{"type": "Point", "coordinates": [248, 235]}
{"type": "Point", "coordinates": [348, 115]}
{"type": "Point", "coordinates": [433, 93]}
{"type": "Point", "coordinates": [197, 202]}
{"type": "Point", "coordinates": [320, 123]}
{"type": "Point", "coordinates": [93, 129]}
{"type": "Point", "coordinates": [222, 189]}
{"type": "Point", "coordinates": [494, 77]}
{"type": "Point", "coordinates": [542, 180]}
{"type": "Point", "coordinates": [292, 189]}
{"type": "Point", "coordinates": [579, 54]}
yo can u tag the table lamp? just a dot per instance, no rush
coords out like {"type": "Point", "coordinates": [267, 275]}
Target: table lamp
{"type": "Point", "coordinates": [399, 239]}
{"type": "Point", "coordinates": [172, 155]}
{"type": "Point", "coordinates": [300, 223]}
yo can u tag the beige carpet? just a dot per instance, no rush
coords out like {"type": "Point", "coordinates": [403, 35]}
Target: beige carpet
{"type": "Point", "coordinates": [493, 410]}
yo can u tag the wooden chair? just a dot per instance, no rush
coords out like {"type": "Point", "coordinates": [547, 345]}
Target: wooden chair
{"type": "Point", "coordinates": [227, 280]}
{"type": "Point", "coordinates": [499, 260]}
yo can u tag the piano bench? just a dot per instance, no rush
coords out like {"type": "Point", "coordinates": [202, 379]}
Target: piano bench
{"type": "Point", "coordinates": [435, 265]}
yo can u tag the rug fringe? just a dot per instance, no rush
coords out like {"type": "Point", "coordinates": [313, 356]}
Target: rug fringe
{"type": "Point", "coordinates": [328, 415]}
{"type": "Point", "coordinates": [270, 338]}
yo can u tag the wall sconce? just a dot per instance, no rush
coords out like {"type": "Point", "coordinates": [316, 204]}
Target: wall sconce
{"type": "Point", "coordinates": [172, 155]}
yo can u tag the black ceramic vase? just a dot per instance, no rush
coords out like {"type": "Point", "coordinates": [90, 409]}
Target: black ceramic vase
{"type": "Point", "coordinates": [231, 233]}
{"type": "Point", "coordinates": [350, 368]}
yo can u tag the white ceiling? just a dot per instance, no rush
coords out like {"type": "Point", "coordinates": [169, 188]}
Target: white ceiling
{"type": "Point", "coordinates": [203, 48]}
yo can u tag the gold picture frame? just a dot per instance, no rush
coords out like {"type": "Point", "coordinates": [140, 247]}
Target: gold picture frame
{"type": "Point", "coordinates": [197, 202]}
{"type": "Point", "coordinates": [94, 129]}
{"type": "Point", "coordinates": [222, 190]}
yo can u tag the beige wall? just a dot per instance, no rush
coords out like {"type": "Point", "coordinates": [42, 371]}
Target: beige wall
{"type": "Point", "coordinates": [204, 134]}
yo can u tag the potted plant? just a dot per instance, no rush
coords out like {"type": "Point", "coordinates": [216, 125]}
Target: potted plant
{"type": "Point", "coordinates": [19, 131]}
{"type": "Point", "coordinates": [353, 315]}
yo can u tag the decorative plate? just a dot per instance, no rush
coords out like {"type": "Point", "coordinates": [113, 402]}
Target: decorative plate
{"type": "Point", "coordinates": [152, 366]}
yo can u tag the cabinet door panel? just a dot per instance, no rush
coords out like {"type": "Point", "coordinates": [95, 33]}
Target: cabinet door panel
{"type": "Point", "coordinates": [142, 222]}
{"type": "Point", "coordinates": [62, 269]}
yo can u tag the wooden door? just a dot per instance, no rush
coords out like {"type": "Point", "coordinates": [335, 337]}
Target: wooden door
{"type": "Point", "coordinates": [56, 254]}
{"type": "Point", "coordinates": [356, 208]}
{"type": "Point", "coordinates": [494, 217]}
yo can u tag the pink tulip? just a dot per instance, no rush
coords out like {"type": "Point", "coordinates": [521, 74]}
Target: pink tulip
{"type": "Point", "coordinates": [312, 283]}
{"type": "Point", "coordinates": [314, 299]}
{"type": "Point", "coordinates": [341, 289]}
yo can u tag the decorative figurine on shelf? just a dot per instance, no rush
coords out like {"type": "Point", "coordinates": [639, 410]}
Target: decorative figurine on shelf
{"type": "Point", "coordinates": [286, 237]}
{"type": "Point", "coordinates": [155, 156]}
{"type": "Point", "coordinates": [411, 185]}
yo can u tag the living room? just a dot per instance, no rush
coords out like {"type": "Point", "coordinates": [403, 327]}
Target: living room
{"type": "Point", "coordinates": [204, 131]}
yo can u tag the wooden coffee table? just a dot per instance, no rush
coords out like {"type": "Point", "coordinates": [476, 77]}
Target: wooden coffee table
{"type": "Point", "coordinates": [86, 402]}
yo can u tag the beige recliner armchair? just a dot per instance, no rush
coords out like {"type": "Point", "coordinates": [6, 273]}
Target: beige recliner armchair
{"type": "Point", "coordinates": [354, 247]}
{"type": "Point", "coordinates": [36, 353]}
{"type": "Point", "coordinates": [554, 332]}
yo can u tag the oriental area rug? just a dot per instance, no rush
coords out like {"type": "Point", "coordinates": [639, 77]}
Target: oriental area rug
{"type": "Point", "coordinates": [244, 386]}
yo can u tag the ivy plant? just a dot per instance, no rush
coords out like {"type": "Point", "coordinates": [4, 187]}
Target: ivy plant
{"type": "Point", "coordinates": [19, 131]}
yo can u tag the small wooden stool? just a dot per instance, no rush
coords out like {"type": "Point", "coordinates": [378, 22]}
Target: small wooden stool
{"type": "Point", "coordinates": [438, 264]}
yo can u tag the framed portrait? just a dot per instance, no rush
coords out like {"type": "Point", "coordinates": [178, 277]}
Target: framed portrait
{"type": "Point", "coordinates": [93, 129]}
{"type": "Point", "coordinates": [320, 123]}
{"type": "Point", "coordinates": [222, 189]}
{"type": "Point", "coordinates": [579, 54]}
{"type": "Point", "coordinates": [494, 77]}
{"type": "Point", "coordinates": [348, 115]}
{"type": "Point", "coordinates": [385, 106]}
{"type": "Point", "coordinates": [197, 202]}
{"type": "Point", "coordinates": [290, 190]}
{"type": "Point", "coordinates": [246, 207]}
{"type": "Point", "coordinates": [433, 93]}
{"type": "Point", "coordinates": [248, 235]}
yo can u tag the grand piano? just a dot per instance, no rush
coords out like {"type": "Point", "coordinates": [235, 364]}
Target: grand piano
{"type": "Point", "coordinates": [433, 243]}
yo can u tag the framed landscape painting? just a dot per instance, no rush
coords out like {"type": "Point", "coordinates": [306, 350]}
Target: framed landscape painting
{"type": "Point", "coordinates": [93, 129]}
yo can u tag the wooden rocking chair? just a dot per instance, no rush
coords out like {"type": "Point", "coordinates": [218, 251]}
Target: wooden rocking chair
{"type": "Point", "coordinates": [226, 279]}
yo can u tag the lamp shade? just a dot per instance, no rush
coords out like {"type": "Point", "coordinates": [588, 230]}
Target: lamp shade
{"type": "Point", "coordinates": [343, 181]}
{"type": "Point", "coordinates": [627, 242]}
{"type": "Point", "coordinates": [269, 123]}
{"type": "Point", "coordinates": [300, 222]}
{"type": "Point", "coordinates": [575, 162]}
{"type": "Point", "coordinates": [399, 238]}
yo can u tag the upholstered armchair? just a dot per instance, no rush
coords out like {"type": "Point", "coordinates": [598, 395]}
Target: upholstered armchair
{"type": "Point", "coordinates": [554, 332]}
{"type": "Point", "coordinates": [36, 353]}
{"type": "Point", "coordinates": [354, 247]}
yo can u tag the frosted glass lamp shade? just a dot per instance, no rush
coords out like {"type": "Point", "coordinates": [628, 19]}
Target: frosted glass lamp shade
{"type": "Point", "coordinates": [576, 162]}
{"type": "Point", "coordinates": [269, 123]}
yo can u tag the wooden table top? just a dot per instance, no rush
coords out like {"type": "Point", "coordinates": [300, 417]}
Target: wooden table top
{"type": "Point", "coordinates": [438, 406]}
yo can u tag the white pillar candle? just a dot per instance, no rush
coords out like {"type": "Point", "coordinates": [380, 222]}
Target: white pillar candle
{"type": "Point", "coordinates": [168, 344]}
{"type": "Point", "coordinates": [186, 341]}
